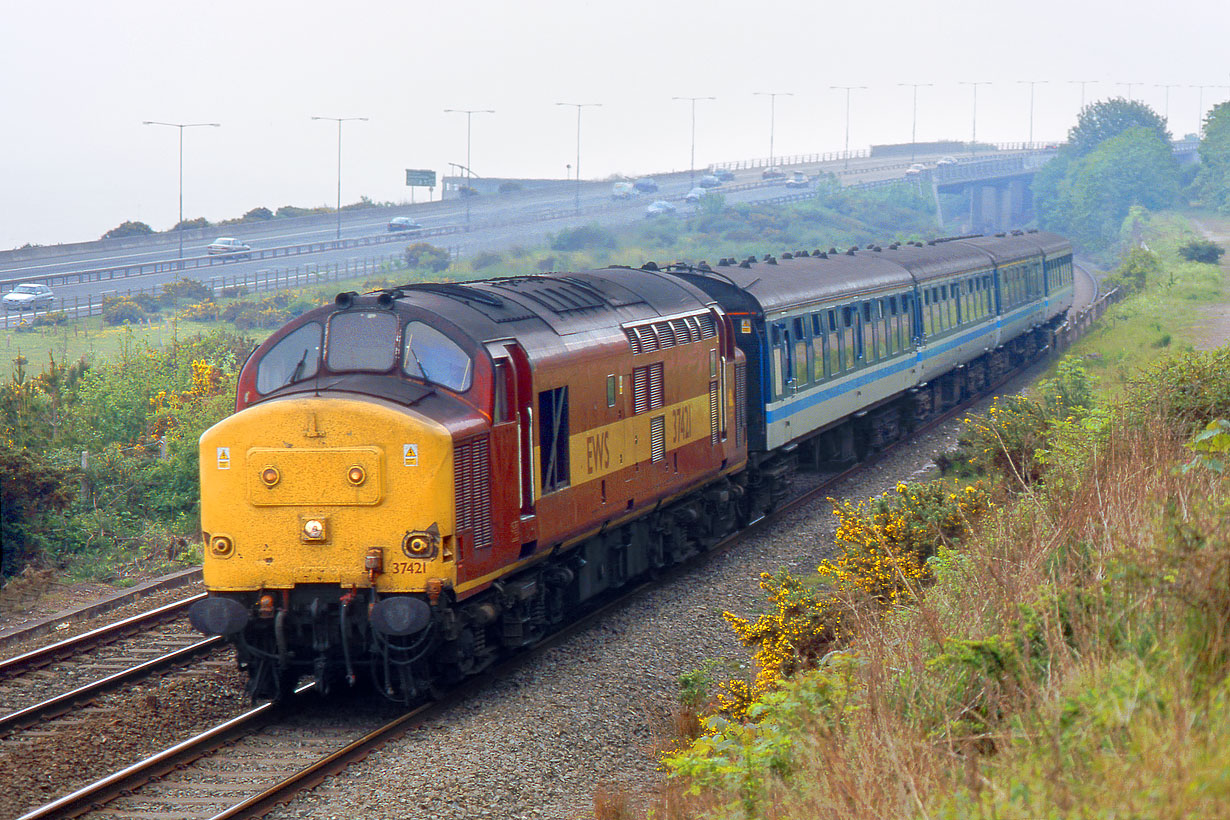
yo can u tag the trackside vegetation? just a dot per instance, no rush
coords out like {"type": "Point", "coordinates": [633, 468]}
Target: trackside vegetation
{"type": "Point", "coordinates": [1042, 631]}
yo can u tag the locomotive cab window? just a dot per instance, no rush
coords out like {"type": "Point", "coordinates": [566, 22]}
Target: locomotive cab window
{"type": "Point", "coordinates": [430, 355]}
{"type": "Point", "coordinates": [293, 359]}
{"type": "Point", "coordinates": [362, 340]}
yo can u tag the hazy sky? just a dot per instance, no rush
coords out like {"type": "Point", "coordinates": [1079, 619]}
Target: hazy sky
{"type": "Point", "coordinates": [77, 79]}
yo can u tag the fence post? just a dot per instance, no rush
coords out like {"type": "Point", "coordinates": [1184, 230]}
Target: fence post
{"type": "Point", "coordinates": [85, 481]}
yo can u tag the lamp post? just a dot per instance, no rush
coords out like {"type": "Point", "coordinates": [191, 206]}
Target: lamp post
{"type": "Point", "coordinates": [973, 143]}
{"type": "Point", "coordinates": [1167, 86]}
{"type": "Point", "coordinates": [339, 121]}
{"type": "Point", "coordinates": [1082, 84]}
{"type": "Point", "coordinates": [1129, 88]}
{"type": "Point", "coordinates": [692, 163]}
{"type": "Point", "coordinates": [1031, 84]}
{"type": "Point", "coordinates": [578, 107]}
{"type": "Point", "coordinates": [469, 112]}
{"type": "Point", "coordinates": [914, 122]}
{"type": "Point", "coordinates": [847, 89]}
{"type": "Point", "coordinates": [772, 95]}
{"type": "Point", "coordinates": [181, 126]}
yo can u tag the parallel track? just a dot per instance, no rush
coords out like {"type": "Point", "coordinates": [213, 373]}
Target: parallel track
{"type": "Point", "coordinates": [234, 791]}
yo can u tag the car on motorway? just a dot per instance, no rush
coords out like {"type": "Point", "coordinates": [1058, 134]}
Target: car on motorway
{"type": "Point", "coordinates": [29, 296]}
{"type": "Point", "coordinates": [695, 194]}
{"type": "Point", "coordinates": [772, 172]}
{"type": "Point", "coordinates": [623, 190]}
{"type": "Point", "coordinates": [724, 175]}
{"type": "Point", "coordinates": [403, 223]}
{"type": "Point", "coordinates": [942, 161]}
{"type": "Point", "coordinates": [915, 169]}
{"type": "Point", "coordinates": [661, 208]}
{"type": "Point", "coordinates": [229, 246]}
{"type": "Point", "coordinates": [799, 180]}
{"type": "Point", "coordinates": [645, 185]}
{"type": "Point", "coordinates": [712, 181]}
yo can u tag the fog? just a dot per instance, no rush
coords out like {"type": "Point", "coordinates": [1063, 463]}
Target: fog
{"type": "Point", "coordinates": [77, 79]}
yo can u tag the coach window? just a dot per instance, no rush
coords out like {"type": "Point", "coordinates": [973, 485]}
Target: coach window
{"type": "Point", "coordinates": [293, 359]}
{"type": "Point", "coordinates": [834, 347]}
{"type": "Point", "coordinates": [819, 332]}
{"type": "Point", "coordinates": [800, 370]}
{"type": "Point", "coordinates": [430, 355]}
{"type": "Point", "coordinates": [362, 340]}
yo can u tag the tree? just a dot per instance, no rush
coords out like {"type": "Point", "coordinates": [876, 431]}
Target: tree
{"type": "Point", "coordinates": [1106, 119]}
{"type": "Point", "coordinates": [258, 214]}
{"type": "Point", "coordinates": [1212, 184]}
{"type": "Point", "coordinates": [1087, 197]}
{"type": "Point", "coordinates": [189, 224]}
{"type": "Point", "coordinates": [128, 229]}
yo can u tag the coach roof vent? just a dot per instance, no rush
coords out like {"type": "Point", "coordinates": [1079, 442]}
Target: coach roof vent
{"type": "Point", "coordinates": [745, 264]}
{"type": "Point", "coordinates": [650, 266]}
{"type": "Point", "coordinates": [832, 251]}
{"type": "Point", "coordinates": [725, 263]}
{"type": "Point", "coordinates": [703, 265]}
{"type": "Point", "coordinates": [770, 259]}
{"type": "Point", "coordinates": [822, 254]}
{"type": "Point", "coordinates": [851, 251]}
{"type": "Point", "coordinates": [787, 255]}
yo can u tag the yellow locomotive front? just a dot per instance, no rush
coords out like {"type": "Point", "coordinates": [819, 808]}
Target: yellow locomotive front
{"type": "Point", "coordinates": [328, 513]}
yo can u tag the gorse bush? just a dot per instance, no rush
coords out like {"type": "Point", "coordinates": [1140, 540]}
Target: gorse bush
{"type": "Point", "coordinates": [883, 549]}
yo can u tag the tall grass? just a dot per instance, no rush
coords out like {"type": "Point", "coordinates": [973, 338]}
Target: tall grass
{"type": "Point", "coordinates": [1069, 660]}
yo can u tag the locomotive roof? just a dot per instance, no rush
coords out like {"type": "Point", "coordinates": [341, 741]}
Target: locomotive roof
{"type": "Point", "coordinates": [566, 303]}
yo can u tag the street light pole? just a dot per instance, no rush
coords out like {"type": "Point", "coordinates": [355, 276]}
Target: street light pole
{"type": "Point", "coordinates": [847, 89]}
{"type": "Point", "coordinates": [1082, 84]}
{"type": "Point", "coordinates": [339, 121]}
{"type": "Point", "coordinates": [772, 95]}
{"type": "Point", "coordinates": [1129, 88]}
{"type": "Point", "coordinates": [181, 126]}
{"type": "Point", "coordinates": [914, 123]}
{"type": "Point", "coordinates": [973, 146]}
{"type": "Point", "coordinates": [692, 163]}
{"type": "Point", "coordinates": [1031, 84]}
{"type": "Point", "coordinates": [1166, 86]}
{"type": "Point", "coordinates": [469, 112]}
{"type": "Point", "coordinates": [578, 107]}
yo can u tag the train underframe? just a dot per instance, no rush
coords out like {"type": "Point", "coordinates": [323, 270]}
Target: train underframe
{"type": "Point", "coordinates": [341, 637]}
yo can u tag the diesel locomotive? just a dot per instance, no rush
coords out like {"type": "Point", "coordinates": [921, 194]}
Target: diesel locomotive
{"type": "Point", "coordinates": [419, 481]}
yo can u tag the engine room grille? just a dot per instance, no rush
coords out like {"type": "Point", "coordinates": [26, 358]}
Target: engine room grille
{"type": "Point", "coordinates": [648, 390]}
{"type": "Point", "coordinates": [713, 413]}
{"type": "Point", "coordinates": [657, 438]}
{"type": "Point", "coordinates": [740, 404]}
{"type": "Point", "coordinates": [472, 475]}
{"type": "Point", "coordinates": [665, 333]}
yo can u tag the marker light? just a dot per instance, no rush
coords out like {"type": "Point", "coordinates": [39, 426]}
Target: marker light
{"type": "Point", "coordinates": [222, 546]}
{"type": "Point", "coordinates": [313, 530]}
{"type": "Point", "coordinates": [356, 476]}
{"type": "Point", "coordinates": [270, 476]}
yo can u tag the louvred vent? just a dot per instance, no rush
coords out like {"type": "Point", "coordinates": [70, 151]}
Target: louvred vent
{"type": "Point", "coordinates": [740, 403]}
{"type": "Point", "coordinates": [472, 471]}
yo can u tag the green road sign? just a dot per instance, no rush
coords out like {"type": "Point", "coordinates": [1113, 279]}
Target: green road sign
{"type": "Point", "coordinates": [420, 179]}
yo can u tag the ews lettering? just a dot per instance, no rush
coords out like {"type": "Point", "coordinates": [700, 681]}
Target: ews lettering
{"type": "Point", "coordinates": [597, 451]}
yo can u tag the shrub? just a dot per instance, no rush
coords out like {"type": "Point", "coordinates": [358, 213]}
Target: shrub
{"type": "Point", "coordinates": [128, 229]}
{"type": "Point", "coordinates": [258, 214]}
{"type": "Point", "coordinates": [34, 493]}
{"type": "Point", "coordinates": [204, 311]}
{"type": "Point", "coordinates": [425, 255]}
{"type": "Point", "coordinates": [1134, 273]}
{"type": "Point", "coordinates": [485, 259]}
{"type": "Point", "coordinates": [510, 187]}
{"type": "Point", "coordinates": [582, 237]}
{"type": "Point", "coordinates": [189, 224]}
{"type": "Point", "coordinates": [234, 291]}
{"type": "Point", "coordinates": [122, 312]}
{"type": "Point", "coordinates": [1202, 250]}
{"type": "Point", "coordinates": [148, 302]}
{"type": "Point", "coordinates": [189, 290]}
{"type": "Point", "coordinates": [51, 319]}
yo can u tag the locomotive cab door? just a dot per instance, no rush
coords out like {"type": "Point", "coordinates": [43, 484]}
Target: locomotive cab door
{"type": "Point", "coordinates": [513, 429]}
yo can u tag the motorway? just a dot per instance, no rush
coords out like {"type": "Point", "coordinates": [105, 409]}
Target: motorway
{"type": "Point", "coordinates": [496, 222]}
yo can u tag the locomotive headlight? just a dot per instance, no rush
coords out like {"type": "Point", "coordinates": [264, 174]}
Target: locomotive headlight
{"type": "Point", "coordinates": [356, 476]}
{"type": "Point", "coordinates": [418, 544]}
{"type": "Point", "coordinates": [270, 476]}
{"type": "Point", "coordinates": [314, 529]}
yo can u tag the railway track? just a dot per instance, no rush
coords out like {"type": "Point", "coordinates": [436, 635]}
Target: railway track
{"type": "Point", "coordinates": [52, 680]}
{"type": "Point", "coordinates": [264, 757]}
